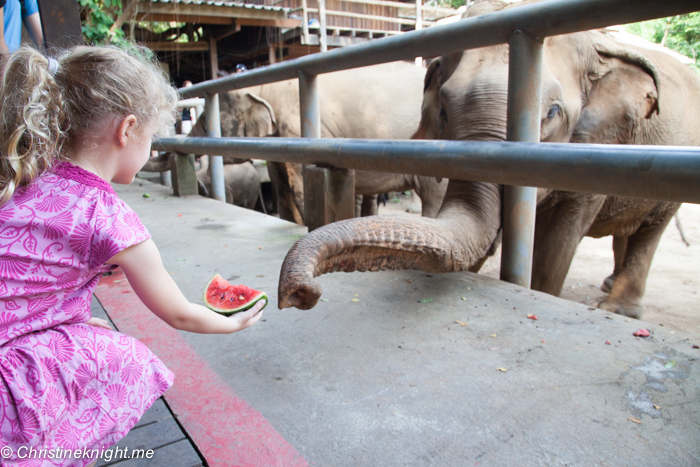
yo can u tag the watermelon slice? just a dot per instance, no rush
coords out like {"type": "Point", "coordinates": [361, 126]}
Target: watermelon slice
{"type": "Point", "coordinates": [228, 299]}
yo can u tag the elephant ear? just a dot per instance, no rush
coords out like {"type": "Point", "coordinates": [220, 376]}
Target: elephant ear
{"type": "Point", "coordinates": [429, 127]}
{"type": "Point", "coordinates": [258, 119]}
{"type": "Point", "coordinates": [635, 58]}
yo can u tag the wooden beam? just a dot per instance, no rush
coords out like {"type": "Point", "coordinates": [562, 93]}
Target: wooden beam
{"type": "Point", "coordinates": [172, 46]}
{"type": "Point", "coordinates": [224, 10]}
{"type": "Point", "coordinates": [276, 23]}
{"type": "Point", "coordinates": [195, 19]}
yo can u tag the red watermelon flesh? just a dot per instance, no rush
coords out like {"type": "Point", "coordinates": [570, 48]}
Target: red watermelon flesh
{"type": "Point", "coordinates": [228, 299]}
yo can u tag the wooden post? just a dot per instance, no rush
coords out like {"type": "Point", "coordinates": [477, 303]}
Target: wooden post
{"type": "Point", "coordinates": [184, 178]}
{"type": "Point", "coordinates": [60, 24]}
{"type": "Point", "coordinates": [305, 22]}
{"type": "Point", "coordinates": [271, 54]}
{"type": "Point", "coordinates": [213, 56]}
{"type": "Point", "coordinates": [322, 39]}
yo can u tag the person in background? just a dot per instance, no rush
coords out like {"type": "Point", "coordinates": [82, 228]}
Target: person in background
{"type": "Point", "coordinates": [188, 114]}
{"type": "Point", "coordinates": [15, 13]}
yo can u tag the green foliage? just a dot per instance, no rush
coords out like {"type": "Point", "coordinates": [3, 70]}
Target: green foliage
{"type": "Point", "coordinates": [678, 33]}
{"type": "Point", "coordinates": [98, 16]}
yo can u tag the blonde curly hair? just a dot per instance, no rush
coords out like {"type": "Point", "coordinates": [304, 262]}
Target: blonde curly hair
{"type": "Point", "coordinates": [42, 109]}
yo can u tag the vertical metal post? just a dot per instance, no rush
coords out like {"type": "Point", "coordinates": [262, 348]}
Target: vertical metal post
{"type": "Point", "coordinates": [419, 25]}
{"type": "Point", "coordinates": [322, 39]}
{"type": "Point", "coordinates": [216, 163]}
{"type": "Point", "coordinates": [520, 203]}
{"type": "Point", "coordinates": [329, 193]}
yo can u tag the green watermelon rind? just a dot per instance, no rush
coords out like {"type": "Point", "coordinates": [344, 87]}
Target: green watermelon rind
{"type": "Point", "coordinates": [229, 311]}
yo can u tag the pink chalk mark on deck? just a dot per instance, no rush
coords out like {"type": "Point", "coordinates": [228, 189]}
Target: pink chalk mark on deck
{"type": "Point", "coordinates": [226, 430]}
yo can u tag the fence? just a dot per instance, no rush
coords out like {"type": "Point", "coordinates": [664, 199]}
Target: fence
{"type": "Point", "coordinates": [647, 172]}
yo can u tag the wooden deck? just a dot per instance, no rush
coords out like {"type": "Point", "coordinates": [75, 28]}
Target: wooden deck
{"type": "Point", "coordinates": [157, 430]}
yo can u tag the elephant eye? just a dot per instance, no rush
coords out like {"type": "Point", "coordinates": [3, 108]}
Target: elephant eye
{"type": "Point", "coordinates": [553, 111]}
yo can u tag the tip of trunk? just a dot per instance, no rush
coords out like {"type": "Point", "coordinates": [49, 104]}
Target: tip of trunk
{"type": "Point", "coordinates": [303, 296]}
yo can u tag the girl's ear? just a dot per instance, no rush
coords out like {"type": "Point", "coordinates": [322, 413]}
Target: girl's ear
{"type": "Point", "coordinates": [126, 128]}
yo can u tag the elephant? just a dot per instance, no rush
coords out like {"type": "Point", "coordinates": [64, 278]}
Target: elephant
{"type": "Point", "coordinates": [241, 182]}
{"type": "Point", "coordinates": [376, 102]}
{"type": "Point", "coordinates": [595, 90]}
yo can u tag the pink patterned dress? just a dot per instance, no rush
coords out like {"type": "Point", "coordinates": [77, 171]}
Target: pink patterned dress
{"type": "Point", "coordinates": [65, 384]}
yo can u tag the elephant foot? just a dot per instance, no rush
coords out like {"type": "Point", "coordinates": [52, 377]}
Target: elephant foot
{"type": "Point", "coordinates": [631, 310]}
{"type": "Point", "coordinates": [608, 283]}
{"type": "Point", "coordinates": [414, 208]}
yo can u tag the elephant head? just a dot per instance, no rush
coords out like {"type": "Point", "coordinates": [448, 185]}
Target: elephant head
{"type": "Point", "coordinates": [465, 98]}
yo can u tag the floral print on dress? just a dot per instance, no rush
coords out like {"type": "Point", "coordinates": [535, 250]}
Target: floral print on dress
{"type": "Point", "coordinates": [64, 383]}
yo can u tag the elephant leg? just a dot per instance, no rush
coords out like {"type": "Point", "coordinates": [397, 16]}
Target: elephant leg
{"type": "Point", "coordinates": [369, 205]}
{"type": "Point", "coordinates": [625, 296]}
{"type": "Point", "coordinates": [559, 229]}
{"type": "Point", "coordinates": [619, 249]}
{"type": "Point", "coordinates": [414, 205]}
{"type": "Point", "coordinates": [431, 192]}
{"type": "Point", "coordinates": [358, 205]}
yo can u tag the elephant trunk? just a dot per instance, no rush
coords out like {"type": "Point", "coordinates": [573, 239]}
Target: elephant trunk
{"type": "Point", "coordinates": [458, 239]}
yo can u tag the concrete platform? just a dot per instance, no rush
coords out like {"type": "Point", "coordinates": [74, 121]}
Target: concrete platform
{"type": "Point", "coordinates": [411, 373]}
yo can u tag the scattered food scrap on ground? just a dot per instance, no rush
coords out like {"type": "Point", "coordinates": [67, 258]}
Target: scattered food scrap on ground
{"type": "Point", "coordinates": [642, 333]}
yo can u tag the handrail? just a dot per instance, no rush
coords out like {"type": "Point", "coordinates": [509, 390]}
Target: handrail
{"type": "Point", "coordinates": [547, 18]}
{"type": "Point", "coordinates": [668, 173]}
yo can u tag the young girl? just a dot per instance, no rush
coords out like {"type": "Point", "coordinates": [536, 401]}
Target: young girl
{"type": "Point", "coordinates": [67, 128]}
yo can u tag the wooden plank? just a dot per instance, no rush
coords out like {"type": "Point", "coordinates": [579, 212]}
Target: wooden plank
{"type": "Point", "coordinates": [158, 412]}
{"type": "Point", "coordinates": [179, 454]}
{"type": "Point", "coordinates": [172, 46]}
{"type": "Point", "coordinates": [276, 23]}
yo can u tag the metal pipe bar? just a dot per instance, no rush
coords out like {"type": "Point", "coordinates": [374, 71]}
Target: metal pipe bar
{"type": "Point", "coordinates": [547, 18]}
{"type": "Point", "coordinates": [523, 124]}
{"type": "Point", "coordinates": [670, 173]}
{"type": "Point", "coordinates": [216, 162]}
{"type": "Point", "coordinates": [195, 102]}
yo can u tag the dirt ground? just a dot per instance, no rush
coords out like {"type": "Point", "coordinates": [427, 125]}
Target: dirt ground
{"type": "Point", "coordinates": [671, 297]}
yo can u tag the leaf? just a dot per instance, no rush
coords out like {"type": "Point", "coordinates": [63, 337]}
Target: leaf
{"type": "Point", "coordinates": [671, 364]}
{"type": "Point", "coordinates": [425, 300]}
{"type": "Point", "coordinates": [324, 299]}
{"type": "Point", "coordinates": [635, 420]}
{"type": "Point", "coordinates": [30, 243]}
{"type": "Point", "coordinates": [657, 407]}
{"type": "Point", "coordinates": [355, 300]}
{"type": "Point", "coordinates": [146, 195]}
{"type": "Point", "coordinates": [460, 323]}
{"type": "Point", "coordinates": [464, 298]}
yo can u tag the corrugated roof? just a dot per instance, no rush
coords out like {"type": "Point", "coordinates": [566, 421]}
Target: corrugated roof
{"type": "Point", "coordinates": [224, 3]}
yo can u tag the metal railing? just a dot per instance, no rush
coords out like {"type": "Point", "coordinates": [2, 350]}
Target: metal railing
{"type": "Point", "coordinates": [657, 172]}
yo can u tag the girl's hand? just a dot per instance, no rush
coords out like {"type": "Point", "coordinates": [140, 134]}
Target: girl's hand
{"type": "Point", "coordinates": [155, 287]}
{"type": "Point", "coordinates": [99, 323]}
{"type": "Point", "coordinates": [249, 317]}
